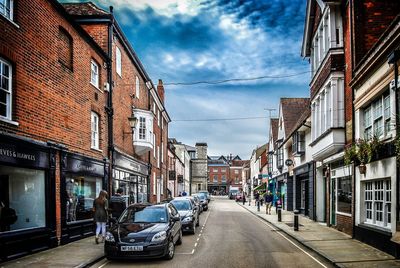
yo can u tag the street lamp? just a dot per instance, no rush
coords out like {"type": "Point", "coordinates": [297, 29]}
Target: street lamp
{"type": "Point", "coordinates": [132, 123]}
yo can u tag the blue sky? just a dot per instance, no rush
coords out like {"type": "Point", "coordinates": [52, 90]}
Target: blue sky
{"type": "Point", "coordinates": [185, 41]}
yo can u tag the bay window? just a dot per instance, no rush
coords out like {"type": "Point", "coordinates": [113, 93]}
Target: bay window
{"type": "Point", "coordinates": [299, 145]}
{"type": "Point", "coordinates": [377, 117]}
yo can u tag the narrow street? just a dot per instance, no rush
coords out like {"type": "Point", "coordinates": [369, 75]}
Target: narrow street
{"type": "Point", "coordinates": [230, 236]}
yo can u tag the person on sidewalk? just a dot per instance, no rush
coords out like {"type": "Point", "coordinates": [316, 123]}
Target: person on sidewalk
{"type": "Point", "coordinates": [257, 200]}
{"type": "Point", "coordinates": [117, 204]}
{"type": "Point", "coordinates": [268, 202]}
{"type": "Point", "coordinates": [100, 207]}
{"type": "Point", "coordinates": [244, 198]}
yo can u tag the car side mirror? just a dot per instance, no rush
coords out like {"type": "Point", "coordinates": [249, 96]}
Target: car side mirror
{"type": "Point", "coordinates": [175, 218]}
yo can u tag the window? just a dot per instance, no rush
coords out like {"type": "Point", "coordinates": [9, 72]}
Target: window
{"type": "Point", "coordinates": [5, 89]}
{"type": "Point", "coordinates": [6, 8]}
{"type": "Point", "coordinates": [215, 179]}
{"type": "Point", "coordinates": [158, 156]}
{"type": "Point", "coordinates": [270, 162]}
{"type": "Point", "coordinates": [23, 190]}
{"type": "Point", "coordinates": [142, 128]}
{"type": "Point", "coordinates": [377, 117]}
{"type": "Point", "coordinates": [94, 74]}
{"type": "Point", "coordinates": [236, 180]}
{"type": "Point", "coordinates": [162, 184]}
{"type": "Point", "coordinates": [223, 170]}
{"type": "Point", "coordinates": [280, 157]}
{"type": "Point", "coordinates": [162, 152]}
{"type": "Point", "coordinates": [154, 183]}
{"type": "Point", "coordinates": [137, 87]}
{"type": "Point", "coordinates": [215, 169]}
{"type": "Point", "coordinates": [299, 142]}
{"type": "Point", "coordinates": [118, 61]}
{"type": "Point", "coordinates": [158, 117]}
{"type": "Point", "coordinates": [303, 195]}
{"type": "Point", "coordinates": [378, 203]}
{"type": "Point", "coordinates": [95, 130]}
{"type": "Point", "coordinates": [65, 48]}
{"type": "Point", "coordinates": [154, 145]}
{"type": "Point", "coordinates": [236, 171]}
{"type": "Point", "coordinates": [223, 178]}
{"type": "Point", "coordinates": [344, 194]}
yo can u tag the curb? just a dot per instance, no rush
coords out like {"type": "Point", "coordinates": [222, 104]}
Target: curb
{"type": "Point", "coordinates": [90, 263]}
{"type": "Point", "coordinates": [293, 237]}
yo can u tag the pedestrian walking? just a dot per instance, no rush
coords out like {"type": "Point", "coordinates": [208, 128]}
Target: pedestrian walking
{"type": "Point", "coordinates": [257, 198]}
{"type": "Point", "coordinates": [184, 193]}
{"type": "Point", "coordinates": [100, 207]}
{"type": "Point", "coordinates": [117, 204]}
{"type": "Point", "coordinates": [268, 202]}
{"type": "Point", "coordinates": [244, 198]}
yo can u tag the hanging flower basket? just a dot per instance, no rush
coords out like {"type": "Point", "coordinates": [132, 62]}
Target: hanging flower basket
{"type": "Point", "coordinates": [362, 168]}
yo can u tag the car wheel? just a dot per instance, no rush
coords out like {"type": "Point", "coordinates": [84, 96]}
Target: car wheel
{"type": "Point", "coordinates": [194, 229]}
{"type": "Point", "coordinates": [171, 250]}
{"type": "Point", "coordinates": [198, 222]}
{"type": "Point", "coordinates": [179, 242]}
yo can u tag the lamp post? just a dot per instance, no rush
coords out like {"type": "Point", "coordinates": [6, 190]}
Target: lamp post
{"type": "Point", "coordinates": [393, 58]}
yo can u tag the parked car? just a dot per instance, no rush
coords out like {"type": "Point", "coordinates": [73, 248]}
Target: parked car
{"type": "Point", "coordinates": [188, 212]}
{"type": "Point", "coordinates": [203, 201]}
{"type": "Point", "coordinates": [239, 197]}
{"type": "Point", "coordinates": [144, 231]}
{"type": "Point", "coordinates": [207, 195]}
{"type": "Point", "coordinates": [196, 200]}
{"type": "Point", "coordinates": [233, 193]}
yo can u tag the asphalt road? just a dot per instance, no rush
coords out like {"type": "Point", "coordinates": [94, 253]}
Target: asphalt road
{"type": "Point", "coordinates": [230, 236]}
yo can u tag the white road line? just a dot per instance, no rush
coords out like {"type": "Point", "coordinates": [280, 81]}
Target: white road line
{"type": "Point", "coordinates": [195, 244]}
{"type": "Point", "coordinates": [192, 251]}
{"type": "Point", "coordinates": [199, 235]}
{"type": "Point", "coordinates": [308, 254]}
{"type": "Point", "coordinates": [104, 264]}
{"type": "Point", "coordinates": [182, 253]}
{"type": "Point", "coordinates": [198, 238]}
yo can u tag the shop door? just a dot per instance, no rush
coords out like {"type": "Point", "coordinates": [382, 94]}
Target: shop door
{"type": "Point", "coordinates": [333, 202]}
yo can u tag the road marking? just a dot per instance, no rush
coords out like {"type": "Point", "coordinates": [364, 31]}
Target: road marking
{"type": "Point", "coordinates": [198, 238]}
{"type": "Point", "coordinates": [104, 264]}
{"type": "Point", "coordinates": [195, 244]}
{"type": "Point", "coordinates": [273, 228]}
{"type": "Point", "coordinates": [199, 235]}
{"type": "Point", "coordinates": [192, 251]}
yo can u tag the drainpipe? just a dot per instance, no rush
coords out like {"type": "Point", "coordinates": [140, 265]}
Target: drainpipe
{"type": "Point", "coordinates": [149, 154]}
{"type": "Point", "coordinates": [109, 107]}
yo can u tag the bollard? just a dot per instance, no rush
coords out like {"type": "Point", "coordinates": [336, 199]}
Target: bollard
{"type": "Point", "coordinates": [296, 220]}
{"type": "Point", "coordinates": [279, 212]}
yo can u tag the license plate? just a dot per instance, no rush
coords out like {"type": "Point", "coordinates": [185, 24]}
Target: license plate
{"type": "Point", "coordinates": [131, 248]}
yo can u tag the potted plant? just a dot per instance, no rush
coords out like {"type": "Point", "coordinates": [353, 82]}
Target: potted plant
{"type": "Point", "coordinates": [364, 154]}
{"type": "Point", "coordinates": [377, 148]}
{"type": "Point", "coordinates": [350, 154]}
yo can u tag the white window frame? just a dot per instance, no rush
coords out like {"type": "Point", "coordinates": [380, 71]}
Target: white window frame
{"type": "Point", "coordinates": [142, 128]}
{"type": "Point", "coordinates": [94, 73]}
{"type": "Point", "coordinates": [11, 9]}
{"type": "Point", "coordinates": [215, 169]}
{"type": "Point", "coordinates": [158, 117]}
{"type": "Point", "coordinates": [158, 157]}
{"type": "Point", "coordinates": [236, 171]}
{"type": "Point", "coordinates": [154, 145]}
{"type": "Point", "coordinates": [9, 91]}
{"type": "Point", "coordinates": [378, 199]}
{"type": "Point", "coordinates": [154, 184]}
{"type": "Point", "coordinates": [162, 152]}
{"type": "Point", "coordinates": [118, 61]}
{"type": "Point", "coordinates": [162, 185]}
{"type": "Point", "coordinates": [377, 114]}
{"type": "Point", "coordinates": [137, 87]}
{"type": "Point", "coordinates": [95, 137]}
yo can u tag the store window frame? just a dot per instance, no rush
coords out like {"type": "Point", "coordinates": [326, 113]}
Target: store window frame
{"type": "Point", "coordinates": [377, 200]}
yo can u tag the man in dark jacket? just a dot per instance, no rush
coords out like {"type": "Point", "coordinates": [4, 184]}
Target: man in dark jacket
{"type": "Point", "coordinates": [117, 204]}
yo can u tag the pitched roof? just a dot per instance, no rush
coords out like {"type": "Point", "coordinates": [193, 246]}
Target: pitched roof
{"type": "Point", "coordinates": [303, 117]}
{"type": "Point", "coordinates": [292, 108]}
{"type": "Point", "coordinates": [274, 127]}
{"type": "Point", "coordinates": [84, 9]}
{"type": "Point", "coordinates": [261, 150]}
{"type": "Point", "coordinates": [239, 163]}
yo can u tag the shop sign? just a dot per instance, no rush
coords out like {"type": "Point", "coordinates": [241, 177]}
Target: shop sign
{"type": "Point", "coordinates": [23, 156]}
{"type": "Point", "coordinates": [180, 178]}
{"type": "Point", "coordinates": [84, 166]}
{"type": "Point", "coordinates": [130, 164]}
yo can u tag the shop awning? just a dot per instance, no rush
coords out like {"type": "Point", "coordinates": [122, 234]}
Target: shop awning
{"type": "Point", "coordinates": [260, 187]}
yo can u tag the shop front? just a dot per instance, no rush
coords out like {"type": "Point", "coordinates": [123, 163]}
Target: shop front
{"type": "Point", "coordinates": [304, 189]}
{"type": "Point", "coordinates": [27, 194]}
{"type": "Point", "coordinates": [82, 179]}
{"type": "Point", "coordinates": [284, 191]}
{"type": "Point", "coordinates": [132, 177]}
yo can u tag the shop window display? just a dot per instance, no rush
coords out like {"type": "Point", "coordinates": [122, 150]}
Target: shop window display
{"type": "Point", "coordinates": [80, 194]}
{"type": "Point", "coordinates": [22, 199]}
{"type": "Point", "coordinates": [344, 194]}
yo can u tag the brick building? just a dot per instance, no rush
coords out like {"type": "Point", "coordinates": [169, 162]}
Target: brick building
{"type": "Point", "coordinates": [218, 174]}
{"type": "Point", "coordinates": [337, 36]}
{"type": "Point", "coordinates": [71, 86]}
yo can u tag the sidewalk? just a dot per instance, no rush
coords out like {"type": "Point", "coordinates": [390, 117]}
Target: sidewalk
{"type": "Point", "coordinates": [81, 253]}
{"type": "Point", "coordinates": [333, 245]}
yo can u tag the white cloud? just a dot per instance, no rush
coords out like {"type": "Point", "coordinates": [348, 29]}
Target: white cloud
{"type": "Point", "coordinates": [167, 8]}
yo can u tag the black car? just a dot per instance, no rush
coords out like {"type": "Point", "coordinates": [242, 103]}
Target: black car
{"type": "Point", "coordinates": [144, 231]}
{"type": "Point", "coordinates": [188, 212]}
{"type": "Point", "coordinates": [203, 201]}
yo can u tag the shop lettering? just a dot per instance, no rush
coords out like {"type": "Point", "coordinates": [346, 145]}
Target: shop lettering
{"type": "Point", "coordinates": [11, 153]}
{"type": "Point", "coordinates": [86, 168]}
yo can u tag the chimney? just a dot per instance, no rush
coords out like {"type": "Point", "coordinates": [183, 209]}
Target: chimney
{"type": "Point", "coordinates": [160, 90]}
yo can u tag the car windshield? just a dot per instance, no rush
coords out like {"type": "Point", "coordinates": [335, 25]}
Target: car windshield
{"type": "Point", "coordinates": [181, 204]}
{"type": "Point", "coordinates": [202, 197]}
{"type": "Point", "coordinates": [149, 214]}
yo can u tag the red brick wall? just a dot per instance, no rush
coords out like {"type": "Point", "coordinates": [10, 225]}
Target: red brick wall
{"type": "Point", "coordinates": [344, 224]}
{"type": "Point", "coordinates": [371, 19]}
{"type": "Point", "coordinates": [58, 93]}
{"type": "Point", "coordinates": [219, 173]}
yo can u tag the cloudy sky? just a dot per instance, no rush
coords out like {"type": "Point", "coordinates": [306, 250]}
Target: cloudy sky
{"type": "Point", "coordinates": [212, 40]}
